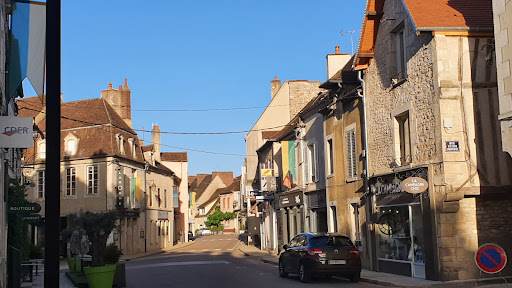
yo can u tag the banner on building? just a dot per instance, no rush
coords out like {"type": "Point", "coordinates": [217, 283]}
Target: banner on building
{"type": "Point", "coordinates": [135, 192]}
{"type": "Point", "coordinates": [289, 174]}
{"type": "Point", "coordinates": [16, 132]}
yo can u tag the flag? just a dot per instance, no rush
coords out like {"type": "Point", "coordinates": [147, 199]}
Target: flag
{"type": "Point", "coordinates": [27, 46]}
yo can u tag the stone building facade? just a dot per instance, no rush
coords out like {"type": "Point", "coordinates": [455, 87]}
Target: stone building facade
{"type": "Point", "coordinates": [432, 110]}
{"type": "Point", "coordinates": [503, 40]}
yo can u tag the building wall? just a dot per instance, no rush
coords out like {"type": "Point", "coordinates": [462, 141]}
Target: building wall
{"type": "Point", "coordinates": [181, 170]}
{"type": "Point", "coordinates": [503, 40]}
{"type": "Point", "coordinates": [340, 192]}
{"type": "Point", "coordinates": [451, 95]}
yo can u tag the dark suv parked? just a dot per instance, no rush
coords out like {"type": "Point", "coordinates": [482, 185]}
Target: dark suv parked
{"type": "Point", "coordinates": [329, 254]}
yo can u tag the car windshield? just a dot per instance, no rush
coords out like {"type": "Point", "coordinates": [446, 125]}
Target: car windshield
{"type": "Point", "coordinates": [330, 241]}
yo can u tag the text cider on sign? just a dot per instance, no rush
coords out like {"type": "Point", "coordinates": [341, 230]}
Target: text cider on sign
{"type": "Point", "coordinates": [414, 185]}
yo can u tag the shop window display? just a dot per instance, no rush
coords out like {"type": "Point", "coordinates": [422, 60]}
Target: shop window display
{"type": "Point", "coordinates": [396, 242]}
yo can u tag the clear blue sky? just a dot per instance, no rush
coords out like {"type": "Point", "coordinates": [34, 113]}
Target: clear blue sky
{"type": "Point", "coordinates": [200, 55]}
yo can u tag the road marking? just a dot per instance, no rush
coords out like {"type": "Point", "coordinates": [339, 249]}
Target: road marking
{"type": "Point", "coordinates": [218, 249]}
{"type": "Point", "coordinates": [205, 250]}
{"type": "Point", "coordinates": [192, 250]}
{"type": "Point", "coordinates": [176, 264]}
{"type": "Point", "coordinates": [230, 249]}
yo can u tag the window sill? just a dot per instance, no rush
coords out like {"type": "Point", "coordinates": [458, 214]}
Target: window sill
{"type": "Point", "coordinates": [69, 197]}
{"type": "Point", "coordinates": [330, 176]}
{"type": "Point", "coordinates": [403, 167]}
{"type": "Point", "coordinates": [95, 195]}
{"type": "Point", "coordinates": [350, 180]}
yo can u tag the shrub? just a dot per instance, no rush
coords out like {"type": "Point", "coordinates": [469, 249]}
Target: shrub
{"type": "Point", "coordinates": [112, 254]}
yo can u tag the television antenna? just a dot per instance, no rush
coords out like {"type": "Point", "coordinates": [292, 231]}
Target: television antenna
{"type": "Point", "coordinates": [351, 38]}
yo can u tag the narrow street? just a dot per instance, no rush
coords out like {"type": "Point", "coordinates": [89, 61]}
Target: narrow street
{"type": "Point", "coordinates": [214, 261]}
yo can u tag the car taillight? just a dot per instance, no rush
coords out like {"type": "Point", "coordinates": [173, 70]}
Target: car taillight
{"type": "Point", "coordinates": [313, 252]}
{"type": "Point", "coordinates": [355, 251]}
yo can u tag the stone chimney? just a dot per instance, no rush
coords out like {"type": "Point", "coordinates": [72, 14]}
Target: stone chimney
{"type": "Point", "coordinates": [120, 101]}
{"type": "Point", "coordinates": [126, 103]}
{"type": "Point", "coordinates": [155, 139]}
{"type": "Point", "coordinates": [275, 85]}
{"type": "Point", "coordinates": [336, 61]}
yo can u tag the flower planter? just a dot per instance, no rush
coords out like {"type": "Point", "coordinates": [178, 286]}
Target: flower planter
{"type": "Point", "coordinates": [100, 277]}
{"type": "Point", "coordinates": [74, 264]}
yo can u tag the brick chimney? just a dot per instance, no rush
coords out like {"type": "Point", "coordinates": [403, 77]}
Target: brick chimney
{"type": "Point", "coordinates": [119, 99]}
{"type": "Point", "coordinates": [275, 85]}
{"type": "Point", "coordinates": [126, 103]}
{"type": "Point", "coordinates": [336, 61]}
{"type": "Point", "coordinates": [155, 139]}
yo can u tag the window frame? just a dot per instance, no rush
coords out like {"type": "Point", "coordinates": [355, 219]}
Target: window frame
{"type": "Point", "coordinates": [312, 156]}
{"type": "Point", "coordinates": [41, 182]}
{"type": "Point", "coordinates": [70, 182]}
{"type": "Point", "coordinates": [329, 143]}
{"type": "Point", "coordinates": [95, 181]}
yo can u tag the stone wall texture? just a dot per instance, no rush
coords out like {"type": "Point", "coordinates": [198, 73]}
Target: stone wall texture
{"type": "Point", "coordinates": [503, 40]}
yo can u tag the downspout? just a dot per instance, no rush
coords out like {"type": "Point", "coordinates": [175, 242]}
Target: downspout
{"type": "Point", "coordinates": [369, 204]}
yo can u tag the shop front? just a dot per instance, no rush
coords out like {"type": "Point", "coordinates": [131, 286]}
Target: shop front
{"type": "Point", "coordinates": [400, 209]}
{"type": "Point", "coordinates": [317, 211]}
{"type": "Point", "coordinates": [291, 205]}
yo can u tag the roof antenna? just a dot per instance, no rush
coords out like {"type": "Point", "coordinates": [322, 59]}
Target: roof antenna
{"type": "Point", "coordinates": [351, 38]}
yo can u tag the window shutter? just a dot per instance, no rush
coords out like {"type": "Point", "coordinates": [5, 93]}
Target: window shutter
{"type": "Point", "coordinates": [354, 155]}
{"type": "Point", "coordinates": [351, 154]}
{"type": "Point", "coordinates": [315, 151]}
{"type": "Point", "coordinates": [306, 164]}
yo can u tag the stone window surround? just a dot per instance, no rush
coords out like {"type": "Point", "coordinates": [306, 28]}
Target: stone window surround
{"type": "Point", "coordinates": [72, 187]}
{"type": "Point", "coordinates": [398, 77]}
{"type": "Point", "coordinates": [96, 167]}
{"type": "Point", "coordinates": [407, 107]}
{"type": "Point", "coordinates": [312, 160]}
{"type": "Point", "coordinates": [120, 142]}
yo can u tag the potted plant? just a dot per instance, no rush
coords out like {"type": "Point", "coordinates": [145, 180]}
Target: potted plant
{"type": "Point", "coordinates": [112, 256]}
{"type": "Point", "coordinates": [97, 227]}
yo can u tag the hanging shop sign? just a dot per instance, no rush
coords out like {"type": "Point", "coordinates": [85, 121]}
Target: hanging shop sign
{"type": "Point", "coordinates": [414, 185]}
{"type": "Point", "coordinates": [292, 199]}
{"type": "Point", "coordinates": [16, 132]}
{"type": "Point", "coordinates": [31, 217]}
{"type": "Point", "coordinates": [266, 172]}
{"type": "Point", "coordinates": [491, 258]}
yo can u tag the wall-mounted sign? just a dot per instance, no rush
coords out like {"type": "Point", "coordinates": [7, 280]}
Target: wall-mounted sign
{"type": "Point", "coordinates": [452, 146]}
{"type": "Point", "coordinates": [414, 185]}
{"type": "Point", "coordinates": [266, 172]}
{"type": "Point", "coordinates": [16, 132]}
{"type": "Point", "coordinates": [31, 217]}
{"type": "Point", "coordinates": [24, 208]}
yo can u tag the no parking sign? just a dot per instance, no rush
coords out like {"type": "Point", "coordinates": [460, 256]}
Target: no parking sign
{"type": "Point", "coordinates": [491, 258]}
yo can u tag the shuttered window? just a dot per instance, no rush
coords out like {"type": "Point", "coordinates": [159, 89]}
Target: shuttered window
{"type": "Point", "coordinates": [351, 154]}
{"type": "Point", "coordinates": [313, 164]}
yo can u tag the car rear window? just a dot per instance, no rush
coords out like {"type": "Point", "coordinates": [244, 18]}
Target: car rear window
{"type": "Point", "coordinates": [331, 241]}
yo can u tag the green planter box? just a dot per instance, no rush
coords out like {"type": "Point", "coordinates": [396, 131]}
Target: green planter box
{"type": "Point", "coordinates": [74, 264]}
{"type": "Point", "coordinates": [100, 277]}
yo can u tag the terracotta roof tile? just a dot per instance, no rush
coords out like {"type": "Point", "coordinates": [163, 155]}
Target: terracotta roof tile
{"type": "Point", "coordinates": [451, 13]}
{"type": "Point", "coordinates": [148, 148]}
{"type": "Point", "coordinates": [174, 156]}
{"type": "Point", "coordinates": [268, 134]}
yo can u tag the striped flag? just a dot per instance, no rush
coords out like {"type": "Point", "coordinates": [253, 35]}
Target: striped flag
{"type": "Point", "coordinates": [27, 46]}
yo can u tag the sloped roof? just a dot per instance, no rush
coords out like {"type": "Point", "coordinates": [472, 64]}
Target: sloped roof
{"type": "Point", "coordinates": [269, 134]}
{"type": "Point", "coordinates": [93, 122]}
{"type": "Point", "coordinates": [235, 186]}
{"type": "Point", "coordinates": [203, 185]}
{"type": "Point", "coordinates": [432, 15]}
{"type": "Point", "coordinates": [456, 14]}
{"type": "Point", "coordinates": [148, 148]}
{"type": "Point", "coordinates": [174, 156]}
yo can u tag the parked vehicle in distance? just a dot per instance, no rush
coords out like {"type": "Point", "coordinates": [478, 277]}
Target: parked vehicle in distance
{"type": "Point", "coordinates": [204, 232]}
{"type": "Point", "coordinates": [190, 235]}
{"type": "Point", "coordinates": [328, 254]}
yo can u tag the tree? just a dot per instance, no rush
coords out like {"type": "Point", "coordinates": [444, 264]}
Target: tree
{"type": "Point", "coordinates": [218, 216]}
{"type": "Point", "coordinates": [17, 233]}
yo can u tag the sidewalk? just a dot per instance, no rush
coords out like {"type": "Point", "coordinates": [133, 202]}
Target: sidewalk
{"type": "Point", "coordinates": [38, 281]}
{"type": "Point", "coordinates": [386, 279]}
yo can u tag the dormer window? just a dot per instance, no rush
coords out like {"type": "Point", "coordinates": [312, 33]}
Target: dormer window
{"type": "Point", "coordinates": [132, 146]}
{"type": "Point", "coordinates": [120, 142]}
{"type": "Point", "coordinates": [41, 149]}
{"type": "Point", "coordinates": [70, 145]}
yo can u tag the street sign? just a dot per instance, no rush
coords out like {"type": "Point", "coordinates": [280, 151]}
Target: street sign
{"type": "Point", "coordinates": [452, 146]}
{"type": "Point", "coordinates": [491, 258]}
{"type": "Point", "coordinates": [24, 208]}
{"type": "Point", "coordinates": [31, 217]}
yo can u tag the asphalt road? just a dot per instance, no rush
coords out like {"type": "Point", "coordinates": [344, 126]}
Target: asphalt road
{"type": "Point", "coordinates": [215, 261]}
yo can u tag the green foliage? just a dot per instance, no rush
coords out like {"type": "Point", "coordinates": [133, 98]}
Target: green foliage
{"type": "Point", "coordinates": [17, 235]}
{"type": "Point", "coordinates": [98, 226]}
{"type": "Point", "coordinates": [215, 219]}
{"type": "Point", "coordinates": [112, 254]}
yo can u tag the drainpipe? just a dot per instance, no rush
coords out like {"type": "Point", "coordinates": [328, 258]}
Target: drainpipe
{"type": "Point", "coordinates": [369, 204]}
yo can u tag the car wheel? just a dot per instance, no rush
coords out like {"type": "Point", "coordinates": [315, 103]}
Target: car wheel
{"type": "Point", "coordinates": [304, 273]}
{"type": "Point", "coordinates": [355, 277]}
{"type": "Point", "coordinates": [282, 273]}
